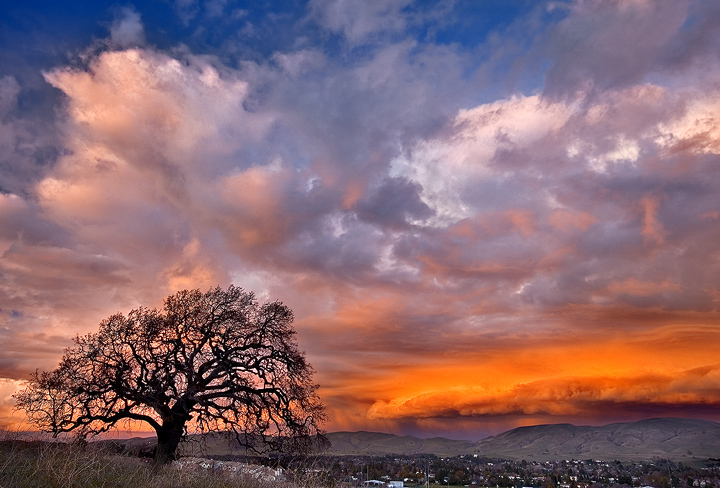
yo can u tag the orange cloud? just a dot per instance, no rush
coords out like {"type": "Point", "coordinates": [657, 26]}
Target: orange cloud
{"type": "Point", "coordinates": [652, 228]}
{"type": "Point", "coordinates": [575, 377]}
{"type": "Point", "coordinates": [565, 219]}
{"type": "Point", "coordinates": [523, 220]}
{"type": "Point", "coordinates": [634, 286]}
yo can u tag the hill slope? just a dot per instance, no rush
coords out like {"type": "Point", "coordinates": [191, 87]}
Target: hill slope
{"type": "Point", "coordinates": [375, 443]}
{"type": "Point", "coordinates": [647, 439]}
{"type": "Point", "coordinates": [669, 438]}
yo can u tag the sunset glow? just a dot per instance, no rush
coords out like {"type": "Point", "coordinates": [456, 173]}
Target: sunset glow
{"type": "Point", "coordinates": [483, 214]}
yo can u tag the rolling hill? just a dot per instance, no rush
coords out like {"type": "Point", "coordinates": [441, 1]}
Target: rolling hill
{"type": "Point", "coordinates": [668, 438]}
{"type": "Point", "coordinates": [375, 443]}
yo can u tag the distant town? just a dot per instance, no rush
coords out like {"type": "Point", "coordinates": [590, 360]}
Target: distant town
{"type": "Point", "coordinates": [474, 471]}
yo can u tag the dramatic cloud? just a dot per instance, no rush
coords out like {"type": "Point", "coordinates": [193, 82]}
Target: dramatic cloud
{"type": "Point", "coordinates": [454, 260]}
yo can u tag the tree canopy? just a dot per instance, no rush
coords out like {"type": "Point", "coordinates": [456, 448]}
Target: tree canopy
{"type": "Point", "coordinates": [213, 361]}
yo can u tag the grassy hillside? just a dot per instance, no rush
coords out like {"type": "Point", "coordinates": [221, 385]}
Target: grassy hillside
{"type": "Point", "coordinates": [26, 464]}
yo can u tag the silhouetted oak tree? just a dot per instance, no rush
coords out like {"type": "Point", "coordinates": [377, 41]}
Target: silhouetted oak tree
{"type": "Point", "coordinates": [215, 361]}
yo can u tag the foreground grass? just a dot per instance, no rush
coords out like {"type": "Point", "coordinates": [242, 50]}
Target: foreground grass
{"type": "Point", "coordinates": [37, 464]}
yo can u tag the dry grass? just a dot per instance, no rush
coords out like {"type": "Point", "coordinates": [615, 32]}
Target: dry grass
{"type": "Point", "coordinates": [40, 464]}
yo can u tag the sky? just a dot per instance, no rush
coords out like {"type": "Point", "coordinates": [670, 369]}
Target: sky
{"type": "Point", "coordinates": [484, 214]}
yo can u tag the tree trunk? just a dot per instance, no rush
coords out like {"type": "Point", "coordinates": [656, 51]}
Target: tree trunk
{"type": "Point", "coordinates": [168, 438]}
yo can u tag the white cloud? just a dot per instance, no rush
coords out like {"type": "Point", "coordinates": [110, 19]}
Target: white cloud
{"type": "Point", "coordinates": [625, 150]}
{"type": "Point", "coordinates": [359, 22]}
{"type": "Point", "coordinates": [698, 128]}
{"type": "Point", "coordinates": [127, 30]}
{"type": "Point", "coordinates": [450, 167]}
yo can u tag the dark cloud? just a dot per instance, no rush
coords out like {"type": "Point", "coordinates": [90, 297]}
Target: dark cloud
{"type": "Point", "coordinates": [611, 45]}
{"type": "Point", "coordinates": [395, 203]}
{"type": "Point", "coordinates": [28, 142]}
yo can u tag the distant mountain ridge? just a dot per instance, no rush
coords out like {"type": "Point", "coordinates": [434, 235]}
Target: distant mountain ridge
{"type": "Point", "coordinates": [376, 443]}
{"type": "Point", "coordinates": [668, 438]}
